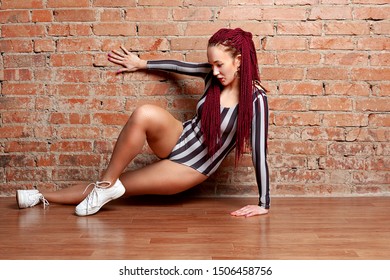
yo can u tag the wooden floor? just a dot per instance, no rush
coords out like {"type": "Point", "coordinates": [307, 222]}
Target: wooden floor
{"type": "Point", "coordinates": [199, 228]}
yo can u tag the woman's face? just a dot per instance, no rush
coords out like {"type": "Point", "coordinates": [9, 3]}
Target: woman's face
{"type": "Point", "coordinates": [223, 64]}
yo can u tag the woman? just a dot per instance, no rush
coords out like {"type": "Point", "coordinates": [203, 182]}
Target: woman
{"type": "Point", "coordinates": [232, 113]}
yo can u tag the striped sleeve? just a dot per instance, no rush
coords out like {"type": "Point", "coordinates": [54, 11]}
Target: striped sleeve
{"type": "Point", "coordinates": [259, 146]}
{"type": "Point", "coordinates": [180, 67]}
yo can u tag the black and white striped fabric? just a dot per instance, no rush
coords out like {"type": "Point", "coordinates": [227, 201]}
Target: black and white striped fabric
{"type": "Point", "coordinates": [191, 150]}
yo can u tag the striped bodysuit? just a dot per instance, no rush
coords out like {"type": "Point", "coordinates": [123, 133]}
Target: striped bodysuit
{"type": "Point", "coordinates": [191, 150]}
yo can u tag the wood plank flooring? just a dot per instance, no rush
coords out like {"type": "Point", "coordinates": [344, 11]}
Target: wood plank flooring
{"type": "Point", "coordinates": [177, 227]}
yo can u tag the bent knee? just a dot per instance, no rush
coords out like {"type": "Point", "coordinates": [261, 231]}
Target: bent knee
{"type": "Point", "coordinates": [143, 112]}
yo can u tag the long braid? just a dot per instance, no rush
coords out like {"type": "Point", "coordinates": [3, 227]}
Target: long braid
{"type": "Point", "coordinates": [241, 43]}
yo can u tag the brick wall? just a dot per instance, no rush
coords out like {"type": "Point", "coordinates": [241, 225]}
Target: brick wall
{"type": "Point", "coordinates": [325, 62]}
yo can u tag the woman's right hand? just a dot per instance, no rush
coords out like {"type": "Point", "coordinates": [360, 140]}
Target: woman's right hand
{"type": "Point", "coordinates": [129, 62]}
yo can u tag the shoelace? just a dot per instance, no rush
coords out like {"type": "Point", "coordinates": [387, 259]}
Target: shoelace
{"type": "Point", "coordinates": [93, 197]}
{"type": "Point", "coordinates": [44, 201]}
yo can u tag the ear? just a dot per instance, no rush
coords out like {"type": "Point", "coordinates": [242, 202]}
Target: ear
{"type": "Point", "coordinates": [237, 60]}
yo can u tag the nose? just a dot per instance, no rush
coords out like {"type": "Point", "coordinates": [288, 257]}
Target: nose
{"type": "Point", "coordinates": [215, 71]}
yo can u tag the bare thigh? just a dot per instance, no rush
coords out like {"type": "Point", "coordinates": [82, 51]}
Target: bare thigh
{"type": "Point", "coordinates": [161, 128]}
{"type": "Point", "coordinates": [162, 177]}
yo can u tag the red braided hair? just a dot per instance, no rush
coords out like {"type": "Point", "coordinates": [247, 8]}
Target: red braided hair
{"type": "Point", "coordinates": [236, 42]}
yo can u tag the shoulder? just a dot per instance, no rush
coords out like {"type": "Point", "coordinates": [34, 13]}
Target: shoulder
{"type": "Point", "coordinates": [259, 90]}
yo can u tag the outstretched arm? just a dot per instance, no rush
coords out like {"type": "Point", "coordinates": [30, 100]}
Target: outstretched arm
{"type": "Point", "coordinates": [130, 63]}
{"type": "Point", "coordinates": [259, 156]}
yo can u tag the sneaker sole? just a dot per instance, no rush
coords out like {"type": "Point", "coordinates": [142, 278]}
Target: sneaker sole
{"type": "Point", "coordinates": [17, 199]}
{"type": "Point", "coordinates": [98, 208]}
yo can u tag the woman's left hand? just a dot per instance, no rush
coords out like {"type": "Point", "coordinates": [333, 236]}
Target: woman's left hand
{"type": "Point", "coordinates": [250, 211]}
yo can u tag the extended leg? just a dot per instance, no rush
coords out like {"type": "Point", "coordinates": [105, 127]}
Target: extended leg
{"type": "Point", "coordinates": [151, 123]}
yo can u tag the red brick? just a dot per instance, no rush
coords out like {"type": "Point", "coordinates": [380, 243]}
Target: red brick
{"type": "Point", "coordinates": [203, 28]}
{"type": "Point", "coordinates": [375, 134]}
{"type": "Point", "coordinates": [76, 118]}
{"type": "Point", "coordinates": [77, 76]}
{"type": "Point", "coordinates": [24, 174]}
{"type": "Point", "coordinates": [25, 30]}
{"type": "Point", "coordinates": [286, 43]}
{"type": "Point", "coordinates": [21, 117]}
{"type": "Point", "coordinates": [256, 28]}
{"type": "Point", "coordinates": [80, 29]}
{"type": "Point", "coordinates": [114, 29]}
{"type": "Point", "coordinates": [344, 119]}
{"type": "Point", "coordinates": [189, 43]}
{"type": "Point", "coordinates": [292, 147]}
{"type": "Point", "coordinates": [26, 146]}
{"type": "Point", "coordinates": [78, 44]}
{"type": "Point", "coordinates": [74, 174]}
{"type": "Point", "coordinates": [327, 73]}
{"type": "Point", "coordinates": [301, 88]}
{"type": "Point", "coordinates": [75, 15]}
{"type": "Point", "coordinates": [382, 90]}
{"type": "Point", "coordinates": [25, 4]}
{"type": "Point", "coordinates": [138, 14]}
{"type": "Point", "coordinates": [330, 12]}
{"type": "Point", "coordinates": [351, 149]}
{"type": "Point", "coordinates": [42, 16]}
{"type": "Point", "coordinates": [332, 43]}
{"type": "Point", "coordinates": [347, 28]}
{"type": "Point", "coordinates": [110, 118]}
{"type": "Point", "coordinates": [321, 133]}
{"type": "Point", "coordinates": [281, 73]}
{"type": "Point", "coordinates": [24, 60]}
{"type": "Point", "coordinates": [22, 89]}
{"type": "Point", "coordinates": [372, 13]}
{"type": "Point", "coordinates": [79, 160]}
{"type": "Point", "coordinates": [330, 104]}
{"type": "Point", "coordinates": [16, 45]}
{"type": "Point", "coordinates": [17, 75]}
{"type": "Point", "coordinates": [14, 16]}
{"type": "Point", "coordinates": [297, 119]}
{"type": "Point", "coordinates": [159, 29]}
{"type": "Point", "coordinates": [370, 2]}
{"type": "Point", "coordinates": [367, 177]}
{"type": "Point", "coordinates": [115, 3]}
{"type": "Point", "coordinates": [377, 120]}
{"type": "Point", "coordinates": [15, 103]}
{"type": "Point", "coordinates": [71, 146]}
{"type": "Point", "coordinates": [67, 3]}
{"type": "Point", "coordinates": [380, 59]}
{"type": "Point", "coordinates": [287, 104]}
{"type": "Point", "coordinates": [373, 104]}
{"type": "Point", "coordinates": [299, 58]}
{"type": "Point", "coordinates": [282, 13]}
{"type": "Point", "coordinates": [345, 88]}
{"type": "Point", "coordinates": [44, 45]}
{"type": "Point", "coordinates": [15, 131]}
{"type": "Point", "coordinates": [299, 28]}
{"type": "Point", "coordinates": [191, 3]}
{"type": "Point", "coordinates": [70, 59]}
{"type": "Point", "coordinates": [373, 44]}
{"type": "Point", "coordinates": [78, 132]}
{"type": "Point", "coordinates": [346, 59]}
{"type": "Point", "coordinates": [198, 14]}
{"type": "Point", "coordinates": [381, 27]}
{"type": "Point", "coordinates": [110, 15]}
{"type": "Point", "coordinates": [240, 13]}
{"type": "Point", "coordinates": [370, 74]}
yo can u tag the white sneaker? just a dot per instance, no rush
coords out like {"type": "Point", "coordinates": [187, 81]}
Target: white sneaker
{"type": "Point", "coordinates": [30, 198]}
{"type": "Point", "coordinates": [101, 194]}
